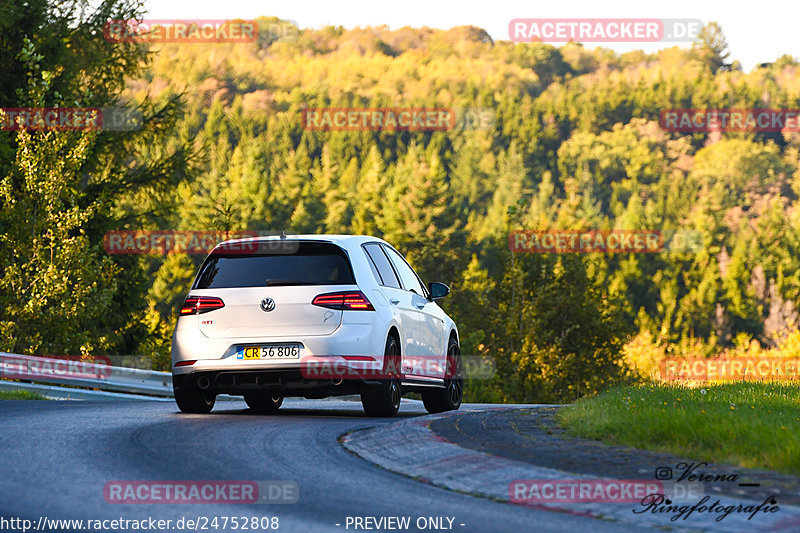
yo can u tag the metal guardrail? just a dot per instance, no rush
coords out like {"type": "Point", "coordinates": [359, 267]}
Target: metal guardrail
{"type": "Point", "coordinates": [84, 374]}
{"type": "Point", "coordinates": [68, 393]}
{"type": "Point", "coordinates": [113, 382]}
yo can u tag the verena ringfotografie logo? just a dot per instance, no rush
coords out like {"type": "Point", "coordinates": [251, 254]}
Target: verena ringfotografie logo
{"type": "Point", "coordinates": [181, 31]}
{"type": "Point", "coordinates": [684, 498]}
{"type": "Point", "coordinates": [201, 492]}
{"type": "Point", "coordinates": [604, 241]}
{"type": "Point", "coordinates": [730, 120]}
{"type": "Point", "coordinates": [736, 369]}
{"type": "Point", "coordinates": [70, 119]}
{"type": "Point", "coordinates": [605, 30]}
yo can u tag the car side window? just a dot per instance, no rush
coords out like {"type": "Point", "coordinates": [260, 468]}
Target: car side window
{"type": "Point", "coordinates": [380, 263]}
{"type": "Point", "coordinates": [409, 278]}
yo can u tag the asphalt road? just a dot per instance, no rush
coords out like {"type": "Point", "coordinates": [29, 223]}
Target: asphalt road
{"type": "Point", "coordinates": [56, 458]}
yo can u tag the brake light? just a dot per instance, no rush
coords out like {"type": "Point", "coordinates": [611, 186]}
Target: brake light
{"type": "Point", "coordinates": [344, 301]}
{"type": "Point", "coordinates": [197, 305]}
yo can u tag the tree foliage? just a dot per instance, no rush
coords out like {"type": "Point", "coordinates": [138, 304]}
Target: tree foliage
{"type": "Point", "coordinates": [573, 141]}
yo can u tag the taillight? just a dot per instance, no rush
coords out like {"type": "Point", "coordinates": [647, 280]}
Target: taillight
{"type": "Point", "coordinates": [345, 301]}
{"type": "Point", "coordinates": [197, 305]}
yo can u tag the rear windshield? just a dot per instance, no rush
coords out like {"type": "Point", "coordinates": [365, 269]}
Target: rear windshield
{"type": "Point", "coordinates": [305, 263]}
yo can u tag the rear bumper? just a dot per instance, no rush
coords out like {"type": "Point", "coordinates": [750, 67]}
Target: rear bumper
{"type": "Point", "coordinates": [190, 344]}
{"type": "Point", "coordinates": [273, 381]}
{"type": "Point", "coordinates": [218, 370]}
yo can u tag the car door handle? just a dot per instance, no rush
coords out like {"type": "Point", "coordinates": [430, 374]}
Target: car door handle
{"type": "Point", "coordinates": [420, 306]}
{"type": "Point", "coordinates": [394, 301]}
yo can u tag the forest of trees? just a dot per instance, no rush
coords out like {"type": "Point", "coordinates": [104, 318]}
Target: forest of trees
{"type": "Point", "coordinates": [574, 143]}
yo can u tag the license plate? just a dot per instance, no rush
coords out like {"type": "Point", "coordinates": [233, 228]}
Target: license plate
{"type": "Point", "coordinates": [273, 351]}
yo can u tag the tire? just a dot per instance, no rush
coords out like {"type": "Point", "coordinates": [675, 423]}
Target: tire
{"type": "Point", "coordinates": [264, 403]}
{"type": "Point", "coordinates": [191, 399]}
{"type": "Point", "coordinates": [384, 400]}
{"type": "Point", "coordinates": [449, 398]}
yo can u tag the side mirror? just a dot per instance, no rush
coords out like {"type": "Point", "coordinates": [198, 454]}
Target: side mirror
{"type": "Point", "coordinates": [437, 290]}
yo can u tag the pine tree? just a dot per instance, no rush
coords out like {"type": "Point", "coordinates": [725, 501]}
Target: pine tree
{"type": "Point", "coordinates": [419, 220]}
{"type": "Point", "coordinates": [371, 197]}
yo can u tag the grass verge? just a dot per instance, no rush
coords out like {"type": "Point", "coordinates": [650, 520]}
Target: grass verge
{"type": "Point", "coordinates": [748, 424]}
{"type": "Point", "coordinates": [20, 395]}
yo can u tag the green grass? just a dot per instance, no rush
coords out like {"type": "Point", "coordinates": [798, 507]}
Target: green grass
{"type": "Point", "coordinates": [752, 425]}
{"type": "Point", "coordinates": [20, 395]}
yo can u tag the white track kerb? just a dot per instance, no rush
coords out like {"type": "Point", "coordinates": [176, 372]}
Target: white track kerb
{"type": "Point", "coordinates": [410, 448]}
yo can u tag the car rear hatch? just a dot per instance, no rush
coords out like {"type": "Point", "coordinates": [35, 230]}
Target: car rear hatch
{"type": "Point", "coordinates": [269, 292]}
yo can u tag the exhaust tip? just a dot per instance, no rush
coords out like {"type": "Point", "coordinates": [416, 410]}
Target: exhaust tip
{"type": "Point", "coordinates": [203, 382]}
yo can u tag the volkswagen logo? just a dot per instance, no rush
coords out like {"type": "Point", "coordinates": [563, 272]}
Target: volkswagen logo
{"type": "Point", "coordinates": [267, 304]}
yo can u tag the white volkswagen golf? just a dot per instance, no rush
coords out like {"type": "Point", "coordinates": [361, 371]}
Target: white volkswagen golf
{"type": "Point", "coordinates": [314, 316]}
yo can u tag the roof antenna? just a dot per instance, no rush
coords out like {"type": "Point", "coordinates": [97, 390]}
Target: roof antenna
{"type": "Point", "coordinates": [283, 234]}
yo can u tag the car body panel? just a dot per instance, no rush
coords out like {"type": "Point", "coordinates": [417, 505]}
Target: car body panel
{"type": "Point", "coordinates": [322, 334]}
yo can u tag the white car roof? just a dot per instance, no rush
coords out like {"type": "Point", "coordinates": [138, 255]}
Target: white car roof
{"type": "Point", "coordinates": [355, 239]}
